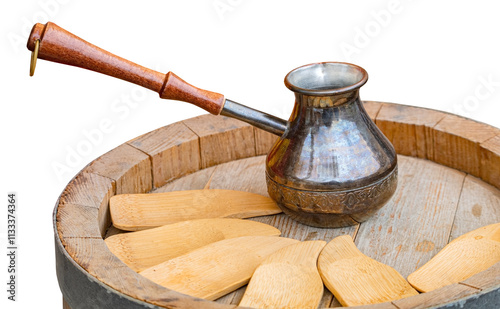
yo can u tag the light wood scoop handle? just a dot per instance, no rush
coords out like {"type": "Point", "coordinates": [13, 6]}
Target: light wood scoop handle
{"type": "Point", "coordinates": [59, 45]}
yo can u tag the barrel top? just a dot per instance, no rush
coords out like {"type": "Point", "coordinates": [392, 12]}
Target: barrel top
{"type": "Point", "coordinates": [449, 184]}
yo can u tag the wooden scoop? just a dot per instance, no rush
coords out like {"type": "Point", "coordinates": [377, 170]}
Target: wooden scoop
{"type": "Point", "coordinates": [143, 249]}
{"type": "Point", "coordinates": [462, 258]}
{"type": "Point", "coordinates": [288, 279]}
{"type": "Point", "coordinates": [218, 268]}
{"type": "Point", "coordinates": [133, 212]}
{"type": "Point", "coordinates": [356, 279]}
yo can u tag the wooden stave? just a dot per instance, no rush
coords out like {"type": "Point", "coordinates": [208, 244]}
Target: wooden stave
{"type": "Point", "coordinates": [380, 112]}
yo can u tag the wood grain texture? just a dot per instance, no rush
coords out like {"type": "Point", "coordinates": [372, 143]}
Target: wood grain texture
{"type": "Point", "coordinates": [90, 190]}
{"type": "Point", "coordinates": [288, 278]}
{"type": "Point", "coordinates": [490, 161]}
{"type": "Point", "coordinates": [174, 152]}
{"type": "Point", "coordinates": [467, 255]}
{"type": "Point", "coordinates": [251, 178]}
{"type": "Point", "coordinates": [233, 298]}
{"type": "Point", "coordinates": [485, 280]}
{"type": "Point", "coordinates": [457, 143]}
{"type": "Point", "coordinates": [195, 181]}
{"type": "Point", "coordinates": [416, 223]}
{"type": "Point", "coordinates": [129, 167]}
{"type": "Point", "coordinates": [59, 45]}
{"type": "Point", "coordinates": [264, 141]}
{"type": "Point", "coordinates": [409, 128]}
{"type": "Point", "coordinates": [437, 297]}
{"type": "Point", "coordinates": [175, 88]}
{"type": "Point", "coordinates": [144, 249]}
{"type": "Point", "coordinates": [94, 256]}
{"type": "Point", "coordinates": [478, 206]}
{"type": "Point", "coordinates": [356, 279]}
{"type": "Point", "coordinates": [372, 108]}
{"type": "Point", "coordinates": [387, 305]}
{"type": "Point", "coordinates": [222, 139]}
{"type": "Point", "coordinates": [134, 212]}
{"type": "Point", "coordinates": [72, 221]}
{"type": "Point", "coordinates": [218, 268]}
{"type": "Point", "coordinates": [112, 230]}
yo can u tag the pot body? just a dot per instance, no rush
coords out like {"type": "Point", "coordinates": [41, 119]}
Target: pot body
{"type": "Point", "coordinates": [332, 167]}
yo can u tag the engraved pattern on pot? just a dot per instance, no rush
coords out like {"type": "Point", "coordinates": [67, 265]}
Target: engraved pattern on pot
{"type": "Point", "coordinates": [331, 202]}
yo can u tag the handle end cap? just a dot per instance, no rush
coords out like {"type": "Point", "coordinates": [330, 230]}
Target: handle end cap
{"type": "Point", "coordinates": [35, 34]}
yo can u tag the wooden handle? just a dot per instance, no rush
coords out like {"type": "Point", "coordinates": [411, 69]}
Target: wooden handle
{"type": "Point", "coordinates": [59, 45]}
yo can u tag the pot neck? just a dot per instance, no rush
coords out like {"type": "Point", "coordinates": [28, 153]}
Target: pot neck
{"type": "Point", "coordinates": [320, 111]}
{"type": "Point", "coordinates": [325, 101]}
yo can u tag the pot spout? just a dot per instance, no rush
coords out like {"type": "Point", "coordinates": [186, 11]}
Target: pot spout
{"type": "Point", "coordinates": [254, 117]}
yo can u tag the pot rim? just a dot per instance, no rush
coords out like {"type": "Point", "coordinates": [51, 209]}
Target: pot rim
{"type": "Point", "coordinates": [322, 67]}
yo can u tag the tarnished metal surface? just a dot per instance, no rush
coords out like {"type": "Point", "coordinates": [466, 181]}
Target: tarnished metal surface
{"type": "Point", "coordinates": [333, 208]}
{"type": "Point", "coordinates": [330, 146]}
{"type": "Point", "coordinates": [254, 117]}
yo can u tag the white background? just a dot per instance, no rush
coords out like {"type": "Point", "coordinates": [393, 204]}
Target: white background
{"type": "Point", "coordinates": [437, 54]}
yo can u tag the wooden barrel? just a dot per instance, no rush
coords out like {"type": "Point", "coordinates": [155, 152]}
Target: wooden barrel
{"type": "Point", "coordinates": [449, 181]}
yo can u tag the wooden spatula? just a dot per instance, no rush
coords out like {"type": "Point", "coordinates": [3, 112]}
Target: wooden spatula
{"type": "Point", "coordinates": [218, 268]}
{"type": "Point", "coordinates": [288, 279]}
{"type": "Point", "coordinates": [356, 279]}
{"type": "Point", "coordinates": [143, 249]}
{"type": "Point", "coordinates": [462, 258]}
{"type": "Point", "coordinates": [133, 212]}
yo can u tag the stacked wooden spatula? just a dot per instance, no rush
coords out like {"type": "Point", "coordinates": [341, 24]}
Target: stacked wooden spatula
{"type": "Point", "coordinates": [198, 243]}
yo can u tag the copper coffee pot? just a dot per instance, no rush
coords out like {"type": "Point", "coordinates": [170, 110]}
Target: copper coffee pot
{"type": "Point", "coordinates": [331, 166]}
